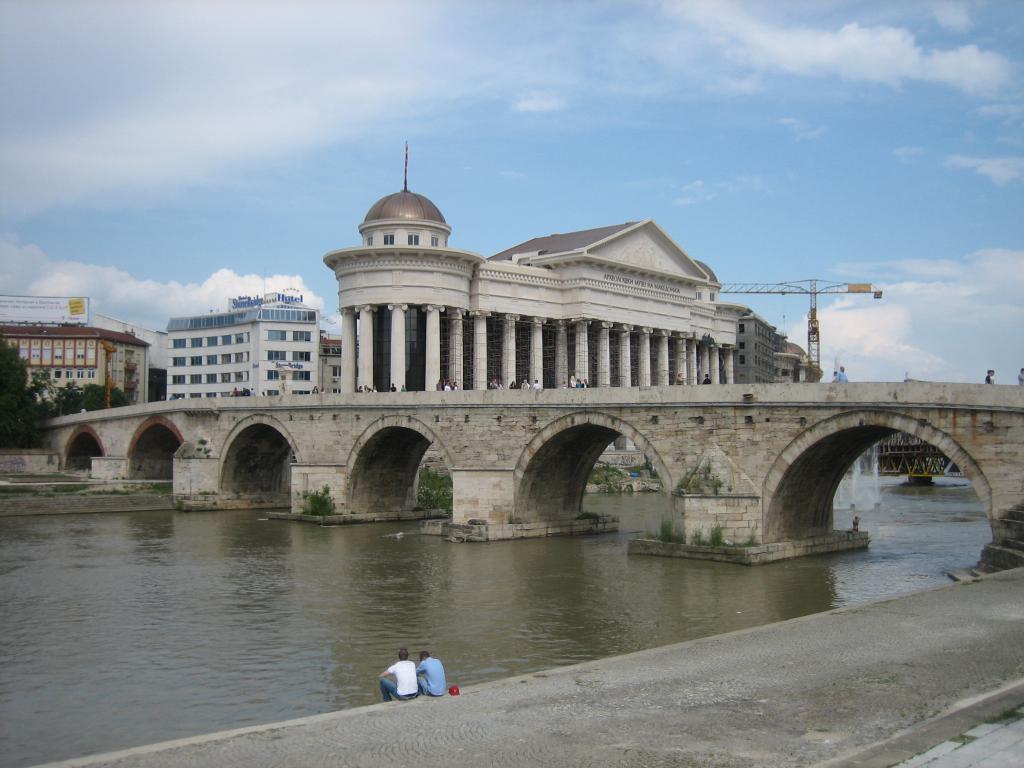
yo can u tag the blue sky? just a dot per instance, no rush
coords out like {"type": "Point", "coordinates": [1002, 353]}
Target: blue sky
{"type": "Point", "coordinates": [160, 157]}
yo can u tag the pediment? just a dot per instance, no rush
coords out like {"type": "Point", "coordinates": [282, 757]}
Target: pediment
{"type": "Point", "coordinates": [647, 248]}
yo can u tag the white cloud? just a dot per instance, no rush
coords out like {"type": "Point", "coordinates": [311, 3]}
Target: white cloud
{"type": "Point", "coordinates": [875, 54]}
{"type": "Point", "coordinates": [907, 154]}
{"type": "Point", "coordinates": [1009, 114]}
{"type": "Point", "coordinates": [1000, 170]}
{"type": "Point", "coordinates": [800, 129]}
{"type": "Point", "coordinates": [539, 102]}
{"type": "Point", "coordinates": [952, 16]}
{"type": "Point", "coordinates": [699, 191]}
{"type": "Point", "coordinates": [945, 320]}
{"type": "Point", "coordinates": [26, 270]}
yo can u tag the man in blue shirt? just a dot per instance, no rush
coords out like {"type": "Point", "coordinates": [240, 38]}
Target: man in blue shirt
{"type": "Point", "coordinates": [431, 675]}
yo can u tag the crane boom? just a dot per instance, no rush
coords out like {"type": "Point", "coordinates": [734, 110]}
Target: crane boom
{"type": "Point", "coordinates": [812, 288]}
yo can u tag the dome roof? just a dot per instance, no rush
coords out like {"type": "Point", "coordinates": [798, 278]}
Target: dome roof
{"type": "Point", "coordinates": [404, 205]}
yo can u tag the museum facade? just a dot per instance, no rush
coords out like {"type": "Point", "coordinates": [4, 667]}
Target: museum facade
{"type": "Point", "coordinates": [615, 306]}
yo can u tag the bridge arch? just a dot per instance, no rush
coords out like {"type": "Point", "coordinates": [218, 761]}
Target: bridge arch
{"type": "Point", "coordinates": [151, 452]}
{"type": "Point", "coordinates": [551, 475]}
{"type": "Point", "coordinates": [383, 463]}
{"type": "Point", "coordinates": [83, 444]}
{"type": "Point", "coordinates": [256, 460]}
{"type": "Point", "coordinates": [799, 488]}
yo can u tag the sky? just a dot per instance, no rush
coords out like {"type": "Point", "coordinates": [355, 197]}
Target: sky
{"type": "Point", "coordinates": [161, 157]}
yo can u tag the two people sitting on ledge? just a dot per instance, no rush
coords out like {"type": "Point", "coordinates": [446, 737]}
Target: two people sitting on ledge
{"type": "Point", "coordinates": [410, 681]}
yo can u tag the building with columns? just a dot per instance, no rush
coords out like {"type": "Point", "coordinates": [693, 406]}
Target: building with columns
{"type": "Point", "coordinates": [615, 306]}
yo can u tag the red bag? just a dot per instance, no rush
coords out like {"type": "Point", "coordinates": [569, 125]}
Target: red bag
{"type": "Point", "coordinates": [453, 690]}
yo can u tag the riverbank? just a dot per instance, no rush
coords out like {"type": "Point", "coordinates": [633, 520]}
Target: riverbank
{"type": "Point", "coordinates": [820, 688]}
{"type": "Point", "coordinates": [63, 494]}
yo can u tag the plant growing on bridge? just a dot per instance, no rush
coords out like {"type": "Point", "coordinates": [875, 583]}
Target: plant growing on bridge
{"type": "Point", "coordinates": [700, 480]}
{"type": "Point", "coordinates": [318, 503]}
{"type": "Point", "coordinates": [716, 536]}
{"type": "Point", "coordinates": [668, 533]}
{"type": "Point", "coordinates": [435, 491]}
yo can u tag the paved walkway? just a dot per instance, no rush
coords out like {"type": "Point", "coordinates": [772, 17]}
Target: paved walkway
{"type": "Point", "coordinates": [871, 685]}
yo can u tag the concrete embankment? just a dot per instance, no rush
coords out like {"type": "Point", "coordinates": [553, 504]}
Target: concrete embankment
{"type": "Point", "coordinates": [796, 693]}
{"type": "Point", "coordinates": [79, 503]}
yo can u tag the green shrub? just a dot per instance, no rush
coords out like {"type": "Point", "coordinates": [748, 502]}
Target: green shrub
{"type": "Point", "coordinates": [435, 491]}
{"type": "Point", "coordinates": [318, 503]}
{"type": "Point", "coordinates": [607, 477]}
{"type": "Point", "coordinates": [716, 536]}
{"type": "Point", "coordinates": [697, 538]}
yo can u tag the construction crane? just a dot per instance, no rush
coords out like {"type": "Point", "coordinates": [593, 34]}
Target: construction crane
{"type": "Point", "coordinates": [813, 288]}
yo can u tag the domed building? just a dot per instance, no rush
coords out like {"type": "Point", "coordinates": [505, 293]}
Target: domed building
{"type": "Point", "coordinates": [619, 305]}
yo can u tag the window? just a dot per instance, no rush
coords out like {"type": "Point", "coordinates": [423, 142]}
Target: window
{"type": "Point", "coordinates": [225, 359]}
{"type": "Point", "coordinates": [197, 360]}
{"type": "Point", "coordinates": [743, 328]}
{"type": "Point", "coordinates": [301, 375]}
{"type": "Point", "coordinates": [211, 378]}
{"type": "Point", "coordinates": [433, 241]}
{"type": "Point", "coordinates": [389, 239]}
{"type": "Point", "coordinates": [301, 356]}
{"type": "Point", "coordinates": [80, 373]}
{"type": "Point", "coordinates": [211, 341]}
{"type": "Point", "coordinates": [177, 379]}
{"type": "Point", "coordinates": [211, 359]}
{"type": "Point", "coordinates": [225, 339]}
{"type": "Point", "coordinates": [743, 359]}
{"type": "Point", "coordinates": [276, 354]}
{"type": "Point", "coordinates": [369, 239]}
{"type": "Point", "coordinates": [302, 336]}
{"type": "Point", "coordinates": [241, 375]}
{"type": "Point", "coordinates": [195, 341]}
{"type": "Point", "coordinates": [56, 374]}
{"type": "Point", "coordinates": [273, 375]}
{"type": "Point", "coordinates": [211, 394]}
{"type": "Point", "coordinates": [195, 378]}
{"type": "Point", "coordinates": [743, 345]}
{"type": "Point", "coordinates": [241, 357]}
{"type": "Point", "coordinates": [178, 396]}
{"type": "Point", "coordinates": [178, 362]}
{"type": "Point", "coordinates": [241, 338]}
{"type": "Point", "coordinates": [272, 393]}
{"type": "Point", "coordinates": [277, 335]}
{"type": "Point", "coordinates": [195, 394]}
{"type": "Point", "coordinates": [225, 378]}
{"type": "Point", "coordinates": [700, 296]}
{"type": "Point", "coordinates": [177, 343]}
{"type": "Point", "coordinates": [414, 239]}
{"type": "Point", "coordinates": [91, 373]}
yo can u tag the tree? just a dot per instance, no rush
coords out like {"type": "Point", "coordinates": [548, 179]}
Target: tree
{"type": "Point", "coordinates": [94, 398]}
{"type": "Point", "coordinates": [18, 409]}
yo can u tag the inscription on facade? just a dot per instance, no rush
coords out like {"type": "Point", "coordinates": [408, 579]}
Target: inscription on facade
{"type": "Point", "coordinates": [635, 282]}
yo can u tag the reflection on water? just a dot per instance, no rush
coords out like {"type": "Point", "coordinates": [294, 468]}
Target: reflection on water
{"type": "Point", "coordinates": [126, 629]}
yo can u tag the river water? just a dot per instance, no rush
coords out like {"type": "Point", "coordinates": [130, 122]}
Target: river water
{"type": "Point", "coordinates": [125, 629]}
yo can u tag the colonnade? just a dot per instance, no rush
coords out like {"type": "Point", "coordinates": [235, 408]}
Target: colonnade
{"type": "Point", "coordinates": [692, 356]}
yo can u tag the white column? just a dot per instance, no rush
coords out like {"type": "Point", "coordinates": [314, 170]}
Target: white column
{"type": "Point", "coordinates": [691, 361]}
{"type": "Point", "coordinates": [730, 355]}
{"type": "Point", "coordinates": [455, 346]}
{"type": "Point", "coordinates": [713, 364]}
{"type": "Point", "coordinates": [644, 363]}
{"type": "Point", "coordinates": [508, 350]}
{"type": "Point", "coordinates": [398, 344]}
{"type": "Point", "coordinates": [348, 351]}
{"type": "Point", "coordinates": [678, 376]}
{"type": "Point", "coordinates": [561, 354]}
{"type": "Point", "coordinates": [366, 347]}
{"type": "Point", "coordinates": [625, 366]}
{"type": "Point", "coordinates": [480, 350]}
{"type": "Point", "coordinates": [662, 377]}
{"type": "Point", "coordinates": [582, 351]}
{"type": "Point", "coordinates": [433, 364]}
{"type": "Point", "coordinates": [604, 356]}
{"type": "Point", "coordinates": [537, 350]}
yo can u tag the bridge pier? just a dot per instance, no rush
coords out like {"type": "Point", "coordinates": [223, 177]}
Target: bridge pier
{"type": "Point", "coordinates": [307, 478]}
{"type": "Point", "coordinates": [109, 468]}
{"type": "Point", "coordinates": [482, 494]}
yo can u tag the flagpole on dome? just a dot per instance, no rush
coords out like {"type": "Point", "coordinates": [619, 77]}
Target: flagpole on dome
{"type": "Point", "coordinates": [405, 183]}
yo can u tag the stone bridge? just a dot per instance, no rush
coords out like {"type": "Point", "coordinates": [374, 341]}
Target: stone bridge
{"type": "Point", "coordinates": [770, 456]}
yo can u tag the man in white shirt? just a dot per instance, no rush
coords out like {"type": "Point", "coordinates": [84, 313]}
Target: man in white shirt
{"type": "Point", "coordinates": [404, 686]}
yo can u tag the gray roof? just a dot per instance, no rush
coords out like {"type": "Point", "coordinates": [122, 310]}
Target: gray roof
{"type": "Point", "coordinates": [710, 272]}
{"type": "Point", "coordinates": [561, 243]}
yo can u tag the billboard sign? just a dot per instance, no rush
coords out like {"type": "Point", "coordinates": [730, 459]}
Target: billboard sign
{"type": "Point", "coordinates": [66, 310]}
